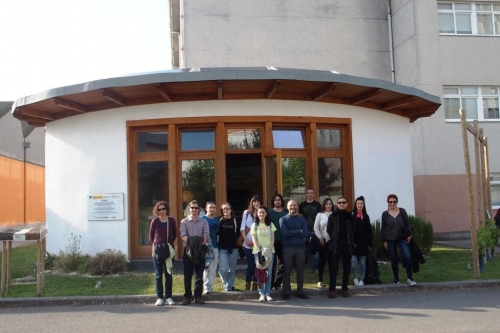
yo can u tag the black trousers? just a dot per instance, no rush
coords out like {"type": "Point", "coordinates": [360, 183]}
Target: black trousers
{"type": "Point", "coordinates": [189, 269]}
{"type": "Point", "coordinates": [344, 255]}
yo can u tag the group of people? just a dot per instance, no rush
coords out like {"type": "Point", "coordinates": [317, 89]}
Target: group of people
{"type": "Point", "coordinates": [274, 241]}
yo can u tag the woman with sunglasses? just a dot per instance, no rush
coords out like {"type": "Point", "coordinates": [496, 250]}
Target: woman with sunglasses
{"type": "Point", "coordinates": [162, 234]}
{"type": "Point", "coordinates": [340, 229]}
{"type": "Point", "coordinates": [396, 231]}
{"type": "Point", "coordinates": [228, 250]}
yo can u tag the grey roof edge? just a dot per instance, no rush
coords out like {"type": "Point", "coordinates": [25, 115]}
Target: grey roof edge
{"type": "Point", "coordinates": [5, 107]}
{"type": "Point", "coordinates": [223, 73]}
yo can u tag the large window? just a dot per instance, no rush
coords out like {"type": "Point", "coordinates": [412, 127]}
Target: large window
{"type": "Point", "coordinates": [469, 18]}
{"type": "Point", "coordinates": [481, 103]}
{"type": "Point", "coordinates": [495, 189]}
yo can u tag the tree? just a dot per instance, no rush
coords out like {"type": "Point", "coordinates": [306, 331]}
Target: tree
{"type": "Point", "coordinates": [294, 174]}
{"type": "Point", "coordinates": [328, 173]}
{"type": "Point", "coordinates": [199, 179]}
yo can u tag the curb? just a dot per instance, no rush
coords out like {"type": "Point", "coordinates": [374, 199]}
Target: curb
{"type": "Point", "coordinates": [26, 302]}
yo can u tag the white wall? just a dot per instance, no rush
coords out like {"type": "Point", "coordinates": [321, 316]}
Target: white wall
{"type": "Point", "coordinates": [87, 154]}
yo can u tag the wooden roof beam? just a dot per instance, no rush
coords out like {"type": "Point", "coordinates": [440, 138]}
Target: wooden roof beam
{"type": "Point", "coordinates": [274, 88]}
{"type": "Point", "coordinates": [80, 108]}
{"type": "Point", "coordinates": [162, 90]}
{"type": "Point", "coordinates": [365, 96]}
{"type": "Point", "coordinates": [37, 114]}
{"type": "Point", "coordinates": [320, 93]}
{"type": "Point", "coordinates": [220, 90]}
{"type": "Point", "coordinates": [113, 97]}
{"type": "Point", "coordinates": [398, 103]}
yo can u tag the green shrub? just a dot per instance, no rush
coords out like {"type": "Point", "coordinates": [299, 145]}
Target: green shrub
{"type": "Point", "coordinates": [487, 236]}
{"type": "Point", "coordinates": [108, 262]}
{"type": "Point", "coordinates": [72, 259]}
{"type": "Point", "coordinates": [423, 233]}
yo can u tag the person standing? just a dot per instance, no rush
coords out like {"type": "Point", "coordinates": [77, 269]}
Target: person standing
{"type": "Point", "coordinates": [340, 228]}
{"type": "Point", "coordinates": [213, 225]}
{"type": "Point", "coordinates": [275, 214]}
{"type": "Point", "coordinates": [162, 234]}
{"type": "Point", "coordinates": [294, 231]}
{"type": "Point", "coordinates": [396, 231]}
{"type": "Point", "coordinates": [363, 240]}
{"type": "Point", "coordinates": [323, 237]}
{"type": "Point", "coordinates": [249, 216]}
{"type": "Point", "coordinates": [263, 241]}
{"type": "Point", "coordinates": [309, 209]}
{"type": "Point", "coordinates": [228, 250]}
{"type": "Point", "coordinates": [195, 234]}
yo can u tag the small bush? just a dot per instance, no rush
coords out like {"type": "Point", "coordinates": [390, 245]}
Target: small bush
{"type": "Point", "coordinates": [108, 262]}
{"type": "Point", "coordinates": [487, 236]}
{"type": "Point", "coordinates": [72, 259]}
{"type": "Point", "coordinates": [49, 260]}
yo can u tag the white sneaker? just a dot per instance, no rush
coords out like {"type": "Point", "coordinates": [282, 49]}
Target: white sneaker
{"type": "Point", "coordinates": [320, 284]}
{"type": "Point", "coordinates": [262, 298]}
{"type": "Point", "coordinates": [269, 298]}
{"type": "Point", "coordinates": [356, 281]}
{"type": "Point", "coordinates": [411, 282]}
{"type": "Point", "coordinates": [170, 301]}
{"type": "Point", "coordinates": [360, 283]}
{"type": "Point", "coordinates": [159, 302]}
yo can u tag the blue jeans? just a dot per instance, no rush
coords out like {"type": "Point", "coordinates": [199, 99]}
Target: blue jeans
{"type": "Point", "coordinates": [227, 268]}
{"type": "Point", "coordinates": [250, 273]}
{"type": "Point", "coordinates": [354, 266]}
{"type": "Point", "coordinates": [160, 270]}
{"type": "Point", "coordinates": [210, 272]}
{"type": "Point", "coordinates": [265, 288]}
{"type": "Point", "coordinates": [405, 252]}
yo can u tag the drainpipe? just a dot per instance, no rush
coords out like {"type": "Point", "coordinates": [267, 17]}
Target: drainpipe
{"type": "Point", "coordinates": [182, 62]}
{"type": "Point", "coordinates": [26, 145]}
{"type": "Point", "coordinates": [391, 50]}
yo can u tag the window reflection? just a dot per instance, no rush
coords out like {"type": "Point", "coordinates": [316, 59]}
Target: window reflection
{"type": "Point", "coordinates": [243, 138]}
{"type": "Point", "coordinates": [330, 177]}
{"type": "Point", "coordinates": [198, 182]}
{"type": "Point", "coordinates": [152, 141]}
{"type": "Point", "coordinates": [329, 138]}
{"type": "Point", "coordinates": [293, 178]}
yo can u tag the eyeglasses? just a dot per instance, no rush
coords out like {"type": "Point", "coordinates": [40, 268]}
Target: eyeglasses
{"type": "Point", "coordinates": [227, 208]}
{"type": "Point", "coordinates": [392, 201]}
{"type": "Point", "coordinates": [194, 207]}
{"type": "Point", "coordinates": [341, 202]}
{"type": "Point", "coordinates": [160, 209]}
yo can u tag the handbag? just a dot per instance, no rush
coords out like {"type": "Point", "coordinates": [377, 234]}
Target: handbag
{"type": "Point", "coordinates": [313, 244]}
{"type": "Point", "coordinates": [240, 240]}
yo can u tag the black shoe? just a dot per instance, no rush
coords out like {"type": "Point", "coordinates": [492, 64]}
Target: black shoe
{"type": "Point", "coordinates": [286, 297]}
{"type": "Point", "coordinates": [303, 296]}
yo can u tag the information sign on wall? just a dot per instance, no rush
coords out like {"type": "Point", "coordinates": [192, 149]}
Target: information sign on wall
{"type": "Point", "coordinates": [105, 207]}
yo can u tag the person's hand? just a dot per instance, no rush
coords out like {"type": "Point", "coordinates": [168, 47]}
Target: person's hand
{"type": "Point", "coordinates": [386, 246]}
{"type": "Point", "coordinates": [249, 242]}
{"type": "Point", "coordinates": [322, 242]}
{"type": "Point", "coordinates": [408, 239]}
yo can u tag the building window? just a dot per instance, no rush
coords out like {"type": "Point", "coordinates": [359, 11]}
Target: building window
{"type": "Point", "coordinates": [329, 138]}
{"type": "Point", "coordinates": [288, 138]}
{"type": "Point", "coordinates": [198, 140]}
{"type": "Point", "coordinates": [243, 138]}
{"type": "Point", "coordinates": [469, 18]}
{"type": "Point", "coordinates": [481, 103]}
{"type": "Point", "coordinates": [495, 190]}
{"type": "Point", "coordinates": [152, 141]}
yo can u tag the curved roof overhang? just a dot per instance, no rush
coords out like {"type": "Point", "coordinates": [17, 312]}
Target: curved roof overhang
{"type": "Point", "coordinates": [204, 84]}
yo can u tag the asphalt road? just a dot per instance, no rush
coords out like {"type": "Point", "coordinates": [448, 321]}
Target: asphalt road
{"type": "Point", "coordinates": [471, 310]}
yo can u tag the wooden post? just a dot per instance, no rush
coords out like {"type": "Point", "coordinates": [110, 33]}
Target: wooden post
{"type": "Point", "coordinates": [471, 197]}
{"type": "Point", "coordinates": [479, 178]}
{"type": "Point", "coordinates": [486, 174]}
{"type": "Point", "coordinates": [9, 265]}
{"type": "Point", "coordinates": [4, 268]}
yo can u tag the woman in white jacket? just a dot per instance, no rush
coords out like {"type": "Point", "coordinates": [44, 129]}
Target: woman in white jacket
{"type": "Point", "coordinates": [320, 231]}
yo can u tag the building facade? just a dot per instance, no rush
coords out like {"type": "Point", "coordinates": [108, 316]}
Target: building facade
{"type": "Point", "coordinates": [444, 48]}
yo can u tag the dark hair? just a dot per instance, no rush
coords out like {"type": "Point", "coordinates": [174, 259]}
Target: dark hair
{"type": "Point", "coordinates": [323, 209]}
{"type": "Point", "coordinates": [250, 209]}
{"type": "Point", "coordinates": [279, 196]}
{"type": "Point", "coordinates": [392, 196]}
{"type": "Point", "coordinates": [361, 198]}
{"type": "Point", "coordinates": [230, 206]}
{"type": "Point", "coordinates": [267, 220]}
{"type": "Point", "coordinates": [160, 203]}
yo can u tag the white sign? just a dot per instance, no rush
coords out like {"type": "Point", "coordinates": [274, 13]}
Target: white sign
{"type": "Point", "coordinates": [105, 207]}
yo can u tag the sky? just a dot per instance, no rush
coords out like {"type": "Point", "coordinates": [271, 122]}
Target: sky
{"type": "Point", "coordinates": [46, 44]}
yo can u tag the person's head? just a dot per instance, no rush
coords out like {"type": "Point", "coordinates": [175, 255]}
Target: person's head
{"type": "Point", "coordinates": [309, 195]}
{"type": "Point", "coordinates": [262, 216]}
{"type": "Point", "coordinates": [277, 201]}
{"type": "Point", "coordinates": [161, 208]}
{"type": "Point", "coordinates": [194, 208]}
{"type": "Point", "coordinates": [226, 210]}
{"type": "Point", "coordinates": [392, 201]}
{"type": "Point", "coordinates": [359, 205]}
{"type": "Point", "coordinates": [342, 203]}
{"type": "Point", "coordinates": [292, 207]}
{"type": "Point", "coordinates": [210, 207]}
{"type": "Point", "coordinates": [327, 205]}
{"type": "Point", "coordinates": [254, 204]}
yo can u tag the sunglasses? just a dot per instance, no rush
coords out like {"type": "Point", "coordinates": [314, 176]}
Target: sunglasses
{"type": "Point", "coordinates": [392, 201]}
{"type": "Point", "coordinates": [194, 207]}
{"type": "Point", "coordinates": [160, 209]}
{"type": "Point", "coordinates": [341, 202]}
